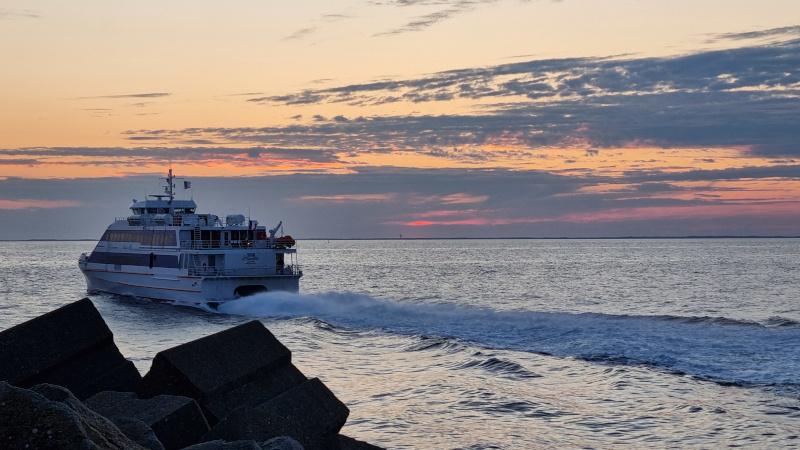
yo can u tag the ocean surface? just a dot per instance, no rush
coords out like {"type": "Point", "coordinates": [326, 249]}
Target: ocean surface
{"type": "Point", "coordinates": [479, 344]}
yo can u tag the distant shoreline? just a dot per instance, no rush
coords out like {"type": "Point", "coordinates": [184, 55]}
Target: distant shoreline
{"type": "Point", "coordinates": [472, 238]}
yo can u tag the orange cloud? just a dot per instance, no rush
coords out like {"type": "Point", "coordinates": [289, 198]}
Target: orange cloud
{"type": "Point", "coordinates": [346, 198]}
{"type": "Point", "coordinates": [462, 199]}
{"type": "Point", "coordinates": [444, 213]}
{"type": "Point", "coordinates": [791, 208]}
{"type": "Point", "coordinates": [686, 212]}
{"type": "Point", "coordinates": [36, 204]}
{"type": "Point", "coordinates": [458, 198]}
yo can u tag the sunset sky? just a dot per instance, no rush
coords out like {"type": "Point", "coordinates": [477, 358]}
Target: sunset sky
{"type": "Point", "coordinates": [426, 118]}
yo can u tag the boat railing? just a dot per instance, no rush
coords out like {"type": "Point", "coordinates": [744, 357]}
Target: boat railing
{"type": "Point", "coordinates": [196, 244]}
{"type": "Point", "coordinates": [202, 244]}
{"type": "Point", "coordinates": [292, 269]}
{"type": "Point", "coordinates": [160, 220]}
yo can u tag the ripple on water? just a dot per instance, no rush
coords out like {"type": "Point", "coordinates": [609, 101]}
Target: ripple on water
{"type": "Point", "coordinates": [498, 366]}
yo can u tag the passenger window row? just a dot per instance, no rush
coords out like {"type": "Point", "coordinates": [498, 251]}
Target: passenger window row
{"type": "Point", "coordinates": [144, 237]}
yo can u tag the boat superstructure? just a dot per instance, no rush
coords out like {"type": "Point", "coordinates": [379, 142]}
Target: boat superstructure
{"type": "Point", "coordinates": [166, 250]}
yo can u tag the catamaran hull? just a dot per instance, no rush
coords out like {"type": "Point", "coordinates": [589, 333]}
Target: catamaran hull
{"type": "Point", "coordinates": [195, 290]}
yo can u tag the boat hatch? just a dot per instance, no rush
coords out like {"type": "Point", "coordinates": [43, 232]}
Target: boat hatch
{"type": "Point", "coordinates": [249, 289]}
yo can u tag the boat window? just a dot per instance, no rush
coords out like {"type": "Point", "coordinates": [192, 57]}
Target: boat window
{"type": "Point", "coordinates": [189, 210]}
{"type": "Point", "coordinates": [144, 237]}
{"type": "Point", "coordinates": [133, 259]}
{"type": "Point", "coordinates": [151, 210]}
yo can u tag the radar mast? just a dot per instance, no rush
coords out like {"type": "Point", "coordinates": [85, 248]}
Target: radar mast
{"type": "Point", "coordinates": [169, 187]}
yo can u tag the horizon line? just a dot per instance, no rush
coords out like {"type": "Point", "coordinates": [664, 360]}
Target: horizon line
{"type": "Point", "coordinates": [461, 238]}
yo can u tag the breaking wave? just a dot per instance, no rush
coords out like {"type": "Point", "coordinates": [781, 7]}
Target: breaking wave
{"type": "Point", "coordinates": [718, 349]}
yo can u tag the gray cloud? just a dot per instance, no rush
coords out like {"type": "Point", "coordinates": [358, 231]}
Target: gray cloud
{"type": "Point", "coordinates": [143, 155]}
{"type": "Point", "coordinates": [736, 97]}
{"type": "Point", "coordinates": [300, 34]}
{"type": "Point", "coordinates": [781, 32]}
{"type": "Point", "coordinates": [450, 9]}
{"type": "Point", "coordinates": [6, 13]}
{"type": "Point", "coordinates": [18, 162]}
{"type": "Point", "coordinates": [427, 20]}
{"type": "Point", "coordinates": [765, 122]}
{"type": "Point", "coordinates": [303, 33]}
{"type": "Point", "coordinates": [768, 66]}
{"type": "Point", "coordinates": [137, 95]}
{"type": "Point", "coordinates": [336, 17]}
{"type": "Point", "coordinates": [791, 171]}
{"type": "Point", "coordinates": [243, 94]}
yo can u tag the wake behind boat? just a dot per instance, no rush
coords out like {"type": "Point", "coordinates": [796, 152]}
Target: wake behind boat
{"type": "Point", "coordinates": [166, 251]}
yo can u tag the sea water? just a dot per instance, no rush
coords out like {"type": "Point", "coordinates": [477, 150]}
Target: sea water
{"type": "Point", "coordinates": [505, 343]}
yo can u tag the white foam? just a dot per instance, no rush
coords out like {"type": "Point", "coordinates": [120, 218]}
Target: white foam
{"type": "Point", "coordinates": [715, 349]}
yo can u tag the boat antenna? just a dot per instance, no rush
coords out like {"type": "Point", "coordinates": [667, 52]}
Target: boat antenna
{"type": "Point", "coordinates": [169, 188]}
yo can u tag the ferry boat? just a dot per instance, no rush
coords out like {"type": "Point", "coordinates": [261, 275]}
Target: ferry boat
{"type": "Point", "coordinates": [165, 250]}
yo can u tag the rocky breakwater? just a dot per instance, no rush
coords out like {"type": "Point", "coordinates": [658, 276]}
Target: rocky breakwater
{"type": "Point", "coordinates": [64, 384]}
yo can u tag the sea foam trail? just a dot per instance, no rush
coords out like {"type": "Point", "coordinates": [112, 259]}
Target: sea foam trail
{"type": "Point", "coordinates": [722, 350]}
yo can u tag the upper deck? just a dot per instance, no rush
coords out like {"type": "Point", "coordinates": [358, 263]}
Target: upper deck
{"type": "Point", "coordinates": [128, 232]}
{"type": "Point", "coordinates": [163, 221]}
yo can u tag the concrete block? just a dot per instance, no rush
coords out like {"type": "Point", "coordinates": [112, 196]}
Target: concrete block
{"type": "Point", "coordinates": [72, 347]}
{"type": "Point", "coordinates": [176, 421]}
{"type": "Point", "coordinates": [242, 366]}
{"type": "Point", "coordinates": [309, 413]}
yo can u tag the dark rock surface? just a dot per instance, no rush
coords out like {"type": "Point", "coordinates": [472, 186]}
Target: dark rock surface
{"type": "Point", "coordinates": [278, 443]}
{"type": "Point", "coordinates": [50, 417]}
{"type": "Point", "coordinates": [239, 367]}
{"type": "Point", "coordinates": [308, 412]}
{"type": "Point", "coordinates": [347, 443]}
{"type": "Point", "coordinates": [266, 386]}
{"type": "Point", "coordinates": [281, 443]}
{"type": "Point", "coordinates": [176, 421]}
{"type": "Point", "coordinates": [72, 347]}
{"type": "Point", "coordinates": [138, 432]}
{"type": "Point", "coordinates": [219, 444]}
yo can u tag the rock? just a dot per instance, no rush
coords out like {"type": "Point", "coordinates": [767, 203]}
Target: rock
{"type": "Point", "coordinates": [348, 443]}
{"type": "Point", "coordinates": [219, 444]}
{"type": "Point", "coordinates": [176, 421]}
{"type": "Point", "coordinates": [50, 417]}
{"type": "Point", "coordinates": [268, 385]}
{"type": "Point", "coordinates": [281, 443]}
{"type": "Point", "coordinates": [239, 367]}
{"type": "Point", "coordinates": [309, 413]}
{"type": "Point", "coordinates": [138, 432]}
{"type": "Point", "coordinates": [278, 443]}
{"type": "Point", "coordinates": [72, 347]}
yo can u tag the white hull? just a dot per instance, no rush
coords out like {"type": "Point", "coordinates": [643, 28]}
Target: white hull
{"type": "Point", "coordinates": [166, 251]}
{"type": "Point", "coordinates": [196, 290]}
